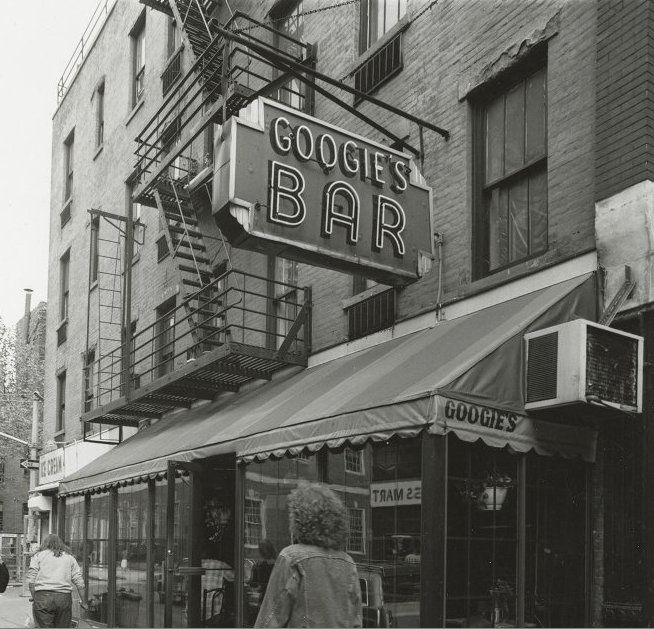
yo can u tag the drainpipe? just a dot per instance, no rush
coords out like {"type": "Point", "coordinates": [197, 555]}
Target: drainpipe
{"type": "Point", "coordinates": [26, 318]}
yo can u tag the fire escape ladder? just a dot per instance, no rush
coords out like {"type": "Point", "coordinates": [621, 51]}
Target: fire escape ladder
{"type": "Point", "coordinates": [108, 348]}
{"type": "Point", "coordinates": [186, 245]}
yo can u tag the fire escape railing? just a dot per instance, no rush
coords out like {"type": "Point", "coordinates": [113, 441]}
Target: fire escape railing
{"type": "Point", "coordinates": [235, 310]}
{"type": "Point", "coordinates": [224, 78]}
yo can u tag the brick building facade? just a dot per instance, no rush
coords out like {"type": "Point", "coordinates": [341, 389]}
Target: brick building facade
{"type": "Point", "coordinates": [539, 184]}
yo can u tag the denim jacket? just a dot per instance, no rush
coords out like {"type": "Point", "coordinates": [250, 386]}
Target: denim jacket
{"type": "Point", "coordinates": [312, 587]}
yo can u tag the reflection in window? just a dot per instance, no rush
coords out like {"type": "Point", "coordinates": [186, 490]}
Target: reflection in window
{"type": "Point", "coordinates": [98, 557]}
{"type": "Point", "coordinates": [253, 522]}
{"type": "Point", "coordinates": [355, 531]}
{"type": "Point", "coordinates": [74, 523]}
{"type": "Point", "coordinates": [131, 553]}
{"type": "Point", "coordinates": [381, 536]}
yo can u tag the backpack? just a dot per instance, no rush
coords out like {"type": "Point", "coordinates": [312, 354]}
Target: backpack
{"type": "Point", "coordinates": [4, 576]}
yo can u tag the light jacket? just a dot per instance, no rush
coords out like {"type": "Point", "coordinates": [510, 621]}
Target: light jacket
{"type": "Point", "coordinates": [312, 587]}
{"type": "Point", "coordinates": [56, 574]}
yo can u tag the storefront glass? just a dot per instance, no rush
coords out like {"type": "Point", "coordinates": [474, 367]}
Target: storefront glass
{"type": "Point", "coordinates": [555, 594]}
{"type": "Point", "coordinates": [484, 533]}
{"type": "Point", "coordinates": [380, 487]}
{"type": "Point", "coordinates": [131, 550]}
{"type": "Point", "coordinates": [98, 556]}
{"type": "Point", "coordinates": [74, 522]}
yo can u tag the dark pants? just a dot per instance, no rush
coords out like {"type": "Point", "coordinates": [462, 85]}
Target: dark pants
{"type": "Point", "coordinates": [52, 609]}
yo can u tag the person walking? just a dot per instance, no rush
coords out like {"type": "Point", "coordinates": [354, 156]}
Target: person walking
{"type": "Point", "coordinates": [53, 571]}
{"type": "Point", "coordinates": [314, 583]}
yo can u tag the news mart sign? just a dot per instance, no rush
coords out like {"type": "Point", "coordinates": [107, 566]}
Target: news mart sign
{"type": "Point", "coordinates": [291, 185]}
{"type": "Point", "coordinates": [408, 492]}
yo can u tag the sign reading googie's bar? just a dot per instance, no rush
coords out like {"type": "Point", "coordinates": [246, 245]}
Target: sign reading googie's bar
{"type": "Point", "coordinates": [294, 186]}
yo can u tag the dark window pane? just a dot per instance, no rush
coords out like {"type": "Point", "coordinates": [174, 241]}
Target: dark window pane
{"type": "Point", "coordinates": [498, 229]}
{"type": "Point", "coordinates": [536, 94]}
{"type": "Point", "coordinates": [518, 220]}
{"type": "Point", "coordinates": [495, 140]}
{"type": "Point", "coordinates": [538, 211]}
{"type": "Point", "coordinates": [515, 129]}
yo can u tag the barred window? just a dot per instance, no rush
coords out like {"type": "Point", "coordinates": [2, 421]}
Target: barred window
{"type": "Point", "coordinates": [253, 521]}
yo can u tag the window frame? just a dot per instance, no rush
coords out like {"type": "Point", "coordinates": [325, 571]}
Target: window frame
{"type": "Point", "coordinates": [89, 377]}
{"type": "Point", "coordinates": [69, 165]}
{"type": "Point", "coordinates": [64, 286]}
{"type": "Point", "coordinates": [60, 411]}
{"type": "Point", "coordinates": [99, 115]}
{"type": "Point", "coordinates": [348, 548]}
{"type": "Point", "coordinates": [365, 40]}
{"type": "Point", "coordinates": [165, 325]}
{"type": "Point", "coordinates": [137, 43]}
{"type": "Point", "coordinates": [360, 468]}
{"type": "Point", "coordinates": [481, 99]}
{"type": "Point", "coordinates": [261, 523]}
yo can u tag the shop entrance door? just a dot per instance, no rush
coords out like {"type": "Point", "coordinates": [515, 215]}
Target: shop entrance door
{"type": "Point", "coordinates": [182, 570]}
{"type": "Point", "coordinates": [198, 581]}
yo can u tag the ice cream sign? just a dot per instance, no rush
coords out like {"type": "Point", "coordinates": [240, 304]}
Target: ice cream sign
{"type": "Point", "coordinates": [294, 186]}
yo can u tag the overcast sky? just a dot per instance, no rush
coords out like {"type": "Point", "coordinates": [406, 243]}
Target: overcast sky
{"type": "Point", "coordinates": [38, 38]}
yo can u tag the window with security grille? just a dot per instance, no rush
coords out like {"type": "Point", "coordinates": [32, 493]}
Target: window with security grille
{"type": "Point", "coordinates": [253, 521]}
{"type": "Point", "coordinates": [355, 531]}
{"type": "Point", "coordinates": [511, 182]}
{"type": "Point", "coordinates": [354, 461]}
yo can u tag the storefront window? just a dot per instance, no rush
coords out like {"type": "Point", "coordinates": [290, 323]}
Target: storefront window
{"type": "Point", "coordinates": [131, 551]}
{"type": "Point", "coordinates": [380, 487]}
{"type": "Point", "coordinates": [74, 521]}
{"type": "Point", "coordinates": [556, 542]}
{"type": "Point", "coordinates": [181, 551]}
{"type": "Point", "coordinates": [98, 556]}
{"type": "Point", "coordinates": [481, 535]}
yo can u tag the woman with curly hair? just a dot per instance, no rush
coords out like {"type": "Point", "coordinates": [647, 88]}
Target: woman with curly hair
{"type": "Point", "coordinates": [314, 582]}
{"type": "Point", "coordinates": [53, 571]}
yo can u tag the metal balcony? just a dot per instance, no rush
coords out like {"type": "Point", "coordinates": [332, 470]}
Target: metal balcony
{"type": "Point", "coordinates": [239, 328]}
{"type": "Point", "coordinates": [224, 78]}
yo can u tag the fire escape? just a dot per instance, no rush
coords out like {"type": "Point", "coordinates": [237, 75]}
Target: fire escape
{"type": "Point", "coordinates": [231, 326]}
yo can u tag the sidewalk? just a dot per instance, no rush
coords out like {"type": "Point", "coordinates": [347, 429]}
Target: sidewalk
{"type": "Point", "coordinates": [14, 608]}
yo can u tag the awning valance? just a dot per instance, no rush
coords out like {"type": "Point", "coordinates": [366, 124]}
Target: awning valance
{"type": "Point", "coordinates": [385, 390]}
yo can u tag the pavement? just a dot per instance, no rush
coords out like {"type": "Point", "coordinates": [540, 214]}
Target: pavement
{"type": "Point", "coordinates": [14, 608]}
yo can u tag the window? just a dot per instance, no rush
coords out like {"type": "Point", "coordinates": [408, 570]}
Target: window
{"type": "Point", "coordinates": [378, 17]}
{"type": "Point", "coordinates": [253, 521]}
{"type": "Point", "coordinates": [162, 248]}
{"type": "Point", "coordinates": [99, 116]}
{"type": "Point", "coordinates": [95, 255]}
{"type": "Point", "coordinates": [354, 461]}
{"type": "Point", "coordinates": [355, 531]}
{"type": "Point", "coordinates": [1, 516]}
{"type": "Point", "coordinates": [371, 315]}
{"type": "Point", "coordinates": [174, 37]}
{"type": "Point", "coordinates": [165, 337]}
{"type": "Point", "coordinates": [60, 419]}
{"type": "Point", "coordinates": [511, 182]}
{"type": "Point", "coordinates": [64, 267]}
{"type": "Point", "coordinates": [286, 306]}
{"type": "Point", "coordinates": [138, 59]}
{"type": "Point", "coordinates": [69, 155]}
{"type": "Point", "coordinates": [2, 471]}
{"type": "Point", "coordinates": [138, 227]}
{"type": "Point", "coordinates": [89, 380]}
{"type": "Point", "coordinates": [173, 69]}
{"type": "Point", "coordinates": [288, 20]}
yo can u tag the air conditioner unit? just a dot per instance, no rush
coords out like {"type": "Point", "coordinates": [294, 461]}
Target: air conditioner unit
{"type": "Point", "coordinates": [583, 362]}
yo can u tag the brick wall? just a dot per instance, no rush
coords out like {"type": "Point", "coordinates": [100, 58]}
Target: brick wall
{"type": "Point", "coordinates": [625, 95]}
{"type": "Point", "coordinates": [451, 47]}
